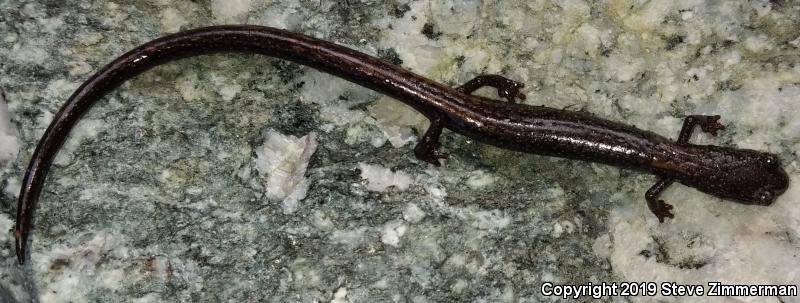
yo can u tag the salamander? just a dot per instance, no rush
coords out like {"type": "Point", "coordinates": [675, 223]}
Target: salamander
{"type": "Point", "coordinates": [741, 175]}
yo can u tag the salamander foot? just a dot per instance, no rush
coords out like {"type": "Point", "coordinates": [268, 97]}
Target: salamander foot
{"type": "Point", "coordinates": [661, 209]}
{"type": "Point", "coordinates": [428, 147]}
{"type": "Point", "coordinates": [658, 207]}
{"type": "Point", "coordinates": [709, 124]}
{"type": "Point", "coordinates": [506, 88]}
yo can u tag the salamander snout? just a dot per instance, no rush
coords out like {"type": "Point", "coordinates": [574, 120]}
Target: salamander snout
{"type": "Point", "coordinates": [774, 187]}
{"type": "Point", "coordinates": [771, 179]}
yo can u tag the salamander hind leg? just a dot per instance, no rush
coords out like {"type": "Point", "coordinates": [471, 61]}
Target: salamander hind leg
{"type": "Point", "coordinates": [506, 88]}
{"type": "Point", "coordinates": [427, 148]}
{"type": "Point", "coordinates": [709, 124]}
{"type": "Point", "coordinates": [661, 209]}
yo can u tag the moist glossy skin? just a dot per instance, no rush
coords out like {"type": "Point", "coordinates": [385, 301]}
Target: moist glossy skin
{"type": "Point", "coordinates": [746, 176]}
{"type": "Point", "coordinates": [742, 175]}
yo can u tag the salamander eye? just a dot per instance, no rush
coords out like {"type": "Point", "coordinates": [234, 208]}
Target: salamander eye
{"type": "Point", "coordinates": [771, 160]}
{"type": "Point", "coordinates": [765, 196]}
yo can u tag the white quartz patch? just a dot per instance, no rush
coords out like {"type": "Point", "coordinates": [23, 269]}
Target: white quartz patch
{"type": "Point", "coordinates": [486, 219]}
{"type": "Point", "coordinates": [392, 232]}
{"type": "Point", "coordinates": [340, 296]}
{"type": "Point", "coordinates": [284, 160]}
{"type": "Point", "coordinates": [460, 23]}
{"type": "Point", "coordinates": [172, 20]}
{"type": "Point", "coordinates": [380, 178]}
{"type": "Point", "coordinates": [418, 53]}
{"type": "Point", "coordinates": [479, 179]}
{"type": "Point", "coordinates": [623, 68]}
{"type": "Point", "coordinates": [76, 264]}
{"type": "Point", "coordinates": [396, 121]}
{"type": "Point", "coordinates": [12, 187]}
{"type": "Point", "coordinates": [28, 54]}
{"type": "Point", "coordinates": [188, 86]}
{"type": "Point", "coordinates": [413, 213]}
{"type": "Point", "coordinates": [60, 89]}
{"type": "Point", "coordinates": [491, 220]}
{"type": "Point", "coordinates": [322, 88]}
{"type": "Point", "coordinates": [148, 298]}
{"type": "Point", "coordinates": [351, 237]}
{"type": "Point", "coordinates": [9, 141]}
{"type": "Point", "coordinates": [5, 224]}
{"type": "Point", "coordinates": [230, 11]}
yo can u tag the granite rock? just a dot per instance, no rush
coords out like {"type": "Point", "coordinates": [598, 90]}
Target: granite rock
{"type": "Point", "coordinates": [157, 196]}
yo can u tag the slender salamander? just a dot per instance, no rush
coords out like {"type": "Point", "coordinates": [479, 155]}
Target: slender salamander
{"type": "Point", "coordinates": [741, 175]}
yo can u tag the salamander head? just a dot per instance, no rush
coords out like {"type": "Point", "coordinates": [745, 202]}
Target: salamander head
{"type": "Point", "coordinates": [752, 178]}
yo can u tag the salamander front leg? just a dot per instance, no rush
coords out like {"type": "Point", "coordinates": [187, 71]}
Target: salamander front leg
{"type": "Point", "coordinates": [659, 208]}
{"type": "Point", "coordinates": [506, 88]}
{"type": "Point", "coordinates": [428, 147]}
{"type": "Point", "coordinates": [709, 124]}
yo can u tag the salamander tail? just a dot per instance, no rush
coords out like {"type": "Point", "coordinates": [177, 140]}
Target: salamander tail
{"type": "Point", "coordinates": [20, 246]}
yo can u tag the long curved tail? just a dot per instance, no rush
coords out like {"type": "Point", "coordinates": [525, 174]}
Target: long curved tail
{"type": "Point", "coordinates": [424, 95]}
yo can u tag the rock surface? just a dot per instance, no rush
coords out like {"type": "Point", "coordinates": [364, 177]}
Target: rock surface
{"type": "Point", "coordinates": [157, 195]}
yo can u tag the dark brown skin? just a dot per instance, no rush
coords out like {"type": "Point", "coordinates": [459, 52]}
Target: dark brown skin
{"type": "Point", "coordinates": [740, 175]}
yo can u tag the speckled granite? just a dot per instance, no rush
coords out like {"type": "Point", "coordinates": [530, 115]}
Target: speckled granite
{"type": "Point", "coordinates": [159, 195]}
